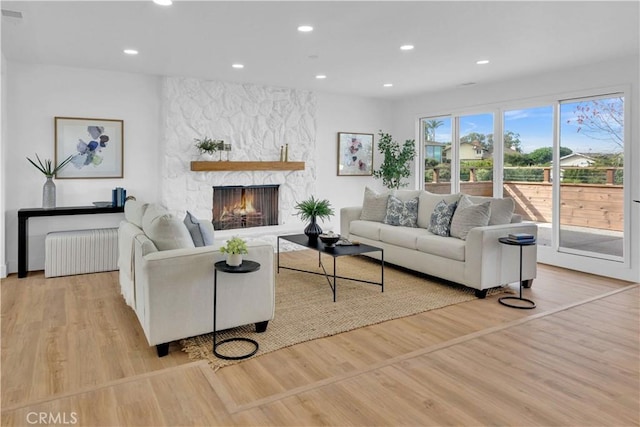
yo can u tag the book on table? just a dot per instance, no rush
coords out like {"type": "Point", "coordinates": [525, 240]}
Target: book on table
{"type": "Point", "coordinates": [520, 241]}
{"type": "Point", "coordinates": [521, 236]}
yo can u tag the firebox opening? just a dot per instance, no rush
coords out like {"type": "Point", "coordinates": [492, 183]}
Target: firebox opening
{"type": "Point", "coordinates": [237, 206]}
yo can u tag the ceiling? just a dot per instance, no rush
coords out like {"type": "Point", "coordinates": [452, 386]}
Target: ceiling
{"type": "Point", "coordinates": [355, 44]}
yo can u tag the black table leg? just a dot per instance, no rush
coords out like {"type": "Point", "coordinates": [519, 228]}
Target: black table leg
{"type": "Point", "coordinates": [504, 300]}
{"type": "Point", "coordinates": [216, 344]}
{"type": "Point", "coordinates": [23, 248]}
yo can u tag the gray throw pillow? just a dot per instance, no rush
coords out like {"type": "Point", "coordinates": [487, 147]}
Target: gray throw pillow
{"type": "Point", "coordinates": [374, 206]}
{"type": "Point", "coordinates": [201, 235]}
{"type": "Point", "coordinates": [441, 218]}
{"type": "Point", "coordinates": [469, 215]}
{"type": "Point", "coordinates": [402, 213]}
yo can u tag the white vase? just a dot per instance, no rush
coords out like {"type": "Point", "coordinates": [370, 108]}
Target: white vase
{"type": "Point", "coordinates": [49, 194]}
{"type": "Point", "coordinates": [234, 260]}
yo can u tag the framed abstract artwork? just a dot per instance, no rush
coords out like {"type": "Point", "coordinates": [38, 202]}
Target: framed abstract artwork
{"type": "Point", "coordinates": [96, 147]}
{"type": "Point", "coordinates": [355, 154]}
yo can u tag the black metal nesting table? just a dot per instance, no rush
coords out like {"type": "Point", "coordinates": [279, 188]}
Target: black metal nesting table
{"type": "Point", "coordinates": [505, 300]}
{"type": "Point", "coordinates": [246, 267]}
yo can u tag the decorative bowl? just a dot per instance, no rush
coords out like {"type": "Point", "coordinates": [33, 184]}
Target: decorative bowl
{"type": "Point", "coordinates": [329, 240]}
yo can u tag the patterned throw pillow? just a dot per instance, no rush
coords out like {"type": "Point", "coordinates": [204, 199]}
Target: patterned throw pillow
{"type": "Point", "coordinates": [402, 213]}
{"type": "Point", "coordinates": [441, 218]}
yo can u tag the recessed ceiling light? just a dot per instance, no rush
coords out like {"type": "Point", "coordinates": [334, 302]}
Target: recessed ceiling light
{"type": "Point", "coordinates": [387, 84]}
{"type": "Point", "coordinates": [321, 76]}
{"type": "Point", "coordinates": [482, 62]}
{"type": "Point", "coordinates": [163, 2]}
{"type": "Point", "coordinates": [238, 66]}
{"type": "Point", "coordinates": [406, 47]}
{"type": "Point", "coordinates": [305, 28]}
{"type": "Point", "coordinates": [130, 51]}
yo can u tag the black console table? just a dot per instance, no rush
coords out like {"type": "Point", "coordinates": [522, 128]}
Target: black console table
{"type": "Point", "coordinates": [23, 226]}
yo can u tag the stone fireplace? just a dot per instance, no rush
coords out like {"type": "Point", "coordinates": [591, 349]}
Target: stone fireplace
{"type": "Point", "coordinates": [240, 206]}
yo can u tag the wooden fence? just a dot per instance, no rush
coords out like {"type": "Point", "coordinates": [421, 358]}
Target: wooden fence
{"type": "Point", "coordinates": [584, 205]}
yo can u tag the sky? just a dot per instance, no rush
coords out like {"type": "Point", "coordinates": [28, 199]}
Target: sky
{"type": "Point", "coordinates": [535, 126]}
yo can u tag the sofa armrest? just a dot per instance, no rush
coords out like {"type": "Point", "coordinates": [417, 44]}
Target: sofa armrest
{"type": "Point", "coordinates": [175, 291]}
{"type": "Point", "coordinates": [347, 215]}
{"type": "Point", "coordinates": [489, 263]}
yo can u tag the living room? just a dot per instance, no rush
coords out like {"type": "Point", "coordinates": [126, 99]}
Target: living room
{"type": "Point", "coordinates": [163, 113]}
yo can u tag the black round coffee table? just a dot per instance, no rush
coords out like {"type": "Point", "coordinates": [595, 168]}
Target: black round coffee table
{"type": "Point", "coordinates": [246, 267]}
{"type": "Point", "coordinates": [528, 304]}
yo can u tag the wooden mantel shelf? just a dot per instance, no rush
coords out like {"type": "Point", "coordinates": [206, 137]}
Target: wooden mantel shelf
{"type": "Point", "coordinates": [203, 166]}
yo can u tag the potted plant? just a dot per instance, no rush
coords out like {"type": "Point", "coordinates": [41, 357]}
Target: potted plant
{"type": "Point", "coordinates": [395, 165]}
{"type": "Point", "coordinates": [311, 210]}
{"type": "Point", "coordinates": [207, 146]}
{"type": "Point", "coordinates": [235, 248]}
{"type": "Point", "coordinates": [49, 188]}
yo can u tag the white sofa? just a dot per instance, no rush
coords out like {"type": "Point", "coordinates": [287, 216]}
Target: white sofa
{"type": "Point", "coordinates": [479, 262]}
{"type": "Point", "coordinates": [169, 282]}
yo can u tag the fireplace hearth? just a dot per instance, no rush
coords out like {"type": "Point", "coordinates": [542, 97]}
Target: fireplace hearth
{"type": "Point", "coordinates": [237, 206]}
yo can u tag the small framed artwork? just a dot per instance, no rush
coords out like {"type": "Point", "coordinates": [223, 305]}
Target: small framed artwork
{"type": "Point", "coordinates": [96, 147]}
{"type": "Point", "coordinates": [355, 154]}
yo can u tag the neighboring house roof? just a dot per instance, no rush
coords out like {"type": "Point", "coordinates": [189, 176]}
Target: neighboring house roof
{"type": "Point", "coordinates": [576, 159]}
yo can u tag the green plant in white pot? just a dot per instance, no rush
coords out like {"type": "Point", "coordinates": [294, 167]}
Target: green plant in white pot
{"type": "Point", "coordinates": [235, 248]}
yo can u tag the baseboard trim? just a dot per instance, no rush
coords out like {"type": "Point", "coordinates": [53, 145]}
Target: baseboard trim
{"type": "Point", "coordinates": [3, 271]}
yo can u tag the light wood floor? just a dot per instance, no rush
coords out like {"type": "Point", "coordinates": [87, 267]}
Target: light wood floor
{"type": "Point", "coordinates": [74, 353]}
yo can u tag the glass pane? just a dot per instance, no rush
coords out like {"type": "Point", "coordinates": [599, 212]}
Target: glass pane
{"type": "Point", "coordinates": [476, 164]}
{"type": "Point", "coordinates": [436, 137]}
{"type": "Point", "coordinates": [528, 149]}
{"type": "Point", "coordinates": [591, 174]}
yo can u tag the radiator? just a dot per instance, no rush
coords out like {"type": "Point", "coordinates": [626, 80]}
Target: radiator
{"type": "Point", "coordinates": [80, 252]}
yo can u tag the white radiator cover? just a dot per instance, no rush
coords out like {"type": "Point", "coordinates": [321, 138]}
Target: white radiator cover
{"type": "Point", "coordinates": [80, 252]}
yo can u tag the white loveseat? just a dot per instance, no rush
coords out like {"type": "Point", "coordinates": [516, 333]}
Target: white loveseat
{"type": "Point", "coordinates": [479, 261]}
{"type": "Point", "coordinates": [169, 282]}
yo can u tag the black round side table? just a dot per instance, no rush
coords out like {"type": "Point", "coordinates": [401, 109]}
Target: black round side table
{"type": "Point", "coordinates": [505, 300]}
{"type": "Point", "coordinates": [246, 267]}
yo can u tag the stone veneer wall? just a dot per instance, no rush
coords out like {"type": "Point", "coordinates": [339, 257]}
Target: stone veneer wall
{"type": "Point", "coordinates": [256, 120]}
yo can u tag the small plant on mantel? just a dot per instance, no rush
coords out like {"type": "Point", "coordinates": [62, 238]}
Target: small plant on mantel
{"type": "Point", "coordinates": [208, 146]}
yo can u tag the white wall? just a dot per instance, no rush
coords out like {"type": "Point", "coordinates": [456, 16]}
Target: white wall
{"type": "Point", "coordinates": [3, 140]}
{"type": "Point", "coordinates": [338, 113]}
{"type": "Point", "coordinates": [38, 93]}
{"type": "Point", "coordinates": [589, 78]}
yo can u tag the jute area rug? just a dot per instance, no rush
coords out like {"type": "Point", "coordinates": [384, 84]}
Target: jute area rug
{"type": "Point", "coordinates": [305, 309]}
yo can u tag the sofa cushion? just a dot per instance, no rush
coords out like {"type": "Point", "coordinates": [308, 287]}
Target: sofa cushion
{"type": "Point", "coordinates": [405, 237]}
{"type": "Point", "coordinates": [134, 211]}
{"type": "Point", "coordinates": [200, 233]}
{"type": "Point", "coordinates": [402, 213]}
{"type": "Point", "coordinates": [374, 205]}
{"type": "Point", "coordinates": [441, 218]}
{"type": "Point", "coordinates": [368, 229]}
{"type": "Point", "coordinates": [427, 203]}
{"type": "Point", "coordinates": [445, 247]}
{"type": "Point", "coordinates": [405, 195]}
{"type": "Point", "coordinates": [501, 209]}
{"type": "Point", "coordinates": [166, 231]}
{"type": "Point", "coordinates": [468, 215]}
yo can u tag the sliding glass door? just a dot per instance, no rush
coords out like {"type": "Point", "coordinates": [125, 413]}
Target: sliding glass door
{"type": "Point", "coordinates": [590, 170]}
